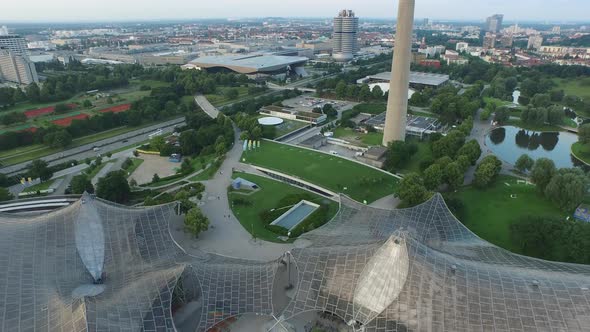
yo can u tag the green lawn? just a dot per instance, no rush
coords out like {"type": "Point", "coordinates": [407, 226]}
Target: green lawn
{"type": "Point", "coordinates": [370, 139]}
{"type": "Point", "coordinates": [219, 97]}
{"type": "Point", "coordinates": [518, 123]}
{"type": "Point", "coordinates": [39, 187]}
{"type": "Point", "coordinates": [136, 163]}
{"type": "Point", "coordinates": [208, 173]}
{"type": "Point", "coordinates": [91, 173]}
{"type": "Point", "coordinates": [496, 101]}
{"type": "Point", "coordinates": [424, 153]}
{"type": "Point", "coordinates": [373, 109]}
{"type": "Point", "coordinates": [289, 126]}
{"type": "Point", "coordinates": [489, 213]}
{"type": "Point", "coordinates": [582, 152]}
{"type": "Point", "coordinates": [269, 195]}
{"type": "Point", "coordinates": [331, 172]}
{"type": "Point", "coordinates": [579, 87]}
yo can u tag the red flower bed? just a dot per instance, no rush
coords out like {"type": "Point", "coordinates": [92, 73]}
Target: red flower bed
{"type": "Point", "coordinates": [116, 109]}
{"type": "Point", "coordinates": [43, 111]}
{"type": "Point", "coordinates": [66, 122]}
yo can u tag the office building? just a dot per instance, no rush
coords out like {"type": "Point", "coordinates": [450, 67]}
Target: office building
{"type": "Point", "coordinates": [494, 23]}
{"type": "Point", "coordinates": [397, 104]}
{"type": "Point", "coordinates": [426, 22]}
{"type": "Point", "coordinates": [345, 36]}
{"type": "Point", "coordinates": [556, 30]}
{"type": "Point", "coordinates": [489, 41]}
{"type": "Point", "coordinates": [15, 44]}
{"type": "Point", "coordinates": [3, 30]}
{"type": "Point", "coordinates": [535, 42]}
{"type": "Point", "coordinates": [17, 68]}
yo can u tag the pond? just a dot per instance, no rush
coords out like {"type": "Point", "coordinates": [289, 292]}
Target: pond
{"type": "Point", "coordinates": [509, 143]}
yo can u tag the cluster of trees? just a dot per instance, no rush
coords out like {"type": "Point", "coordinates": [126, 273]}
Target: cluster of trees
{"type": "Point", "coordinates": [251, 129]}
{"type": "Point", "coordinates": [453, 156]}
{"type": "Point", "coordinates": [114, 187]}
{"type": "Point", "coordinates": [252, 106]}
{"type": "Point", "coordinates": [503, 85]}
{"type": "Point", "coordinates": [565, 187]}
{"type": "Point", "coordinates": [552, 239]}
{"type": "Point", "coordinates": [206, 136]}
{"type": "Point", "coordinates": [552, 115]}
{"type": "Point", "coordinates": [452, 107]}
{"type": "Point", "coordinates": [354, 92]}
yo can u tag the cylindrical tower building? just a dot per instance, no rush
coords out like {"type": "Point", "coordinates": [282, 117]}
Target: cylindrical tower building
{"type": "Point", "coordinates": [397, 104]}
{"type": "Point", "coordinates": [345, 36]}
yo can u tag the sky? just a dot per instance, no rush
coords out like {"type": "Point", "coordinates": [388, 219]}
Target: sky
{"type": "Point", "coordinates": [129, 10]}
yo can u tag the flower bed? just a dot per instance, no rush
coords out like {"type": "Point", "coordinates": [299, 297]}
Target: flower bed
{"type": "Point", "coordinates": [116, 109]}
{"type": "Point", "coordinates": [66, 122]}
{"type": "Point", "coordinates": [42, 111]}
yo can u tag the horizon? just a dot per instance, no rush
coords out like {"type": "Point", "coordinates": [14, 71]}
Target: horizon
{"type": "Point", "coordinates": [68, 11]}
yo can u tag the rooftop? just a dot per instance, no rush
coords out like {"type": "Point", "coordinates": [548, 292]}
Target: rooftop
{"type": "Point", "coordinates": [249, 64]}
{"type": "Point", "coordinates": [415, 78]}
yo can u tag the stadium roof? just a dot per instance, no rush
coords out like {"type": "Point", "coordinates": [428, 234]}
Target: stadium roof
{"type": "Point", "coordinates": [415, 78]}
{"type": "Point", "coordinates": [249, 64]}
{"type": "Point", "coordinates": [97, 266]}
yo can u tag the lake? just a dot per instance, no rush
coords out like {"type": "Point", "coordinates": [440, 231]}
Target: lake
{"type": "Point", "coordinates": [509, 143]}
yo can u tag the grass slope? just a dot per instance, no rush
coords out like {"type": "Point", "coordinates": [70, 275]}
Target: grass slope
{"type": "Point", "coordinates": [269, 195]}
{"type": "Point", "coordinates": [331, 172]}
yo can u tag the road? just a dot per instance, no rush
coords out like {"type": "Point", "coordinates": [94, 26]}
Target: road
{"type": "Point", "coordinates": [106, 145]}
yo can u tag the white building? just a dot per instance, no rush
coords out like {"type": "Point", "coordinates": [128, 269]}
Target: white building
{"type": "Point", "coordinates": [17, 68]}
{"type": "Point", "coordinates": [462, 46]}
{"type": "Point", "coordinates": [535, 42]}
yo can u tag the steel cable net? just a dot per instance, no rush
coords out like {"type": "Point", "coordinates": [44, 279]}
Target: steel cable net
{"type": "Point", "coordinates": [432, 273]}
{"type": "Point", "coordinates": [413, 269]}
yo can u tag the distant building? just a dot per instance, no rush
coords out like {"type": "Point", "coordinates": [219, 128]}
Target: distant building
{"type": "Point", "coordinates": [535, 42]}
{"type": "Point", "coordinates": [430, 63]}
{"type": "Point", "coordinates": [494, 23]}
{"type": "Point", "coordinates": [426, 22]}
{"type": "Point", "coordinates": [17, 68]}
{"type": "Point", "coordinates": [489, 41]}
{"type": "Point", "coordinates": [14, 43]}
{"type": "Point", "coordinates": [291, 114]}
{"type": "Point", "coordinates": [453, 58]}
{"type": "Point", "coordinates": [3, 30]}
{"type": "Point", "coordinates": [252, 64]}
{"type": "Point", "coordinates": [432, 51]}
{"type": "Point", "coordinates": [461, 46]}
{"type": "Point", "coordinates": [507, 41]}
{"type": "Point", "coordinates": [417, 80]}
{"type": "Point", "coordinates": [345, 42]}
{"type": "Point", "coordinates": [556, 30]}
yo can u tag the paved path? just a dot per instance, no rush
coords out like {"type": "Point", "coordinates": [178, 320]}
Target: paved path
{"type": "Point", "coordinates": [206, 106]}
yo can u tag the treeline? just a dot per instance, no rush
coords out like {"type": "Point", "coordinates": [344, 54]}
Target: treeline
{"type": "Point", "coordinates": [205, 136]}
{"type": "Point", "coordinates": [448, 104]}
{"type": "Point", "coordinates": [252, 106]}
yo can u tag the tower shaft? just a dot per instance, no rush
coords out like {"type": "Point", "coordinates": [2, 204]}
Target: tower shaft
{"type": "Point", "coordinates": [397, 104]}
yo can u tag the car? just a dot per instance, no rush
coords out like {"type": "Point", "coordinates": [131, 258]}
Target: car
{"type": "Point", "coordinates": [335, 153]}
{"type": "Point", "coordinates": [96, 149]}
{"type": "Point", "coordinates": [124, 141]}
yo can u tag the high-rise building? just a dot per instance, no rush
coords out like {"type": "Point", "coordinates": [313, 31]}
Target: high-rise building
{"type": "Point", "coordinates": [494, 23]}
{"type": "Point", "coordinates": [426, 22]}
{"type": "Point", "coordinates": [535, 42]}
{"type": "Point", "coordinates": [14, 43]}
{"type": "Point", "coordinates": [397, 104]}
{"type": "Point", "coordinates": [3, 30]}
{"type": "Point", "coordinates": [507, 41]}
{"type": "Point", "coordinates": [489, 40]}
{"type": "Point", "coordinates": [345, 36]}
{"type": "Point", "coordinates": [17, 68]}
{"type": "Point", "coordinates": [556, 30]}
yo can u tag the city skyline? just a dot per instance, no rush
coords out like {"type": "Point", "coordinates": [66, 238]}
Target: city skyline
{"type": "Point", "coordinates": [68, 10]}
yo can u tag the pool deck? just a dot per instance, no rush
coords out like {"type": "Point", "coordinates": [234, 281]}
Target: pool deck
{"type": "Point", "coordinates": [295, 215]}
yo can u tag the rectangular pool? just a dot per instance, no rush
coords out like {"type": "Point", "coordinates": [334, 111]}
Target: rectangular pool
{"type": "Point", "coordinates": [295, 215]}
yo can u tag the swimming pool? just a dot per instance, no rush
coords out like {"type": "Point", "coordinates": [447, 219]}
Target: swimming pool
{"type": "Point", "coordinates": [295, 215]}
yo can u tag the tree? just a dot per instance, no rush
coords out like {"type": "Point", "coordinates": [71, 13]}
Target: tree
{"type": "Point", "coordinates": [398, 154]}
{"type": "Point", "coordinates": [183, 197]}
{"type": "Point", "coordinates": [40, 169]}
{"type": "Point", "coordinates": [484, 175]}
{"type": "Point", "coordinates": [567, 189]}
{"type": "Point", "coordinates": [87, 103]}
{"type": "Point", "coordinates": [33, 92]}
{"type": "Point", "coordinates": [433, 177]}
{"type": "Point", "coordinates": [61, 108]}
{"type": "Point", "coordinates": [232, 94]}
{"type": "Point", "coordinates": [584, 134]}
{"type": "Point", "coordinates": [365, 93]}
{"type": "Point", "coordinates": [5, 195]}
{"type": "Point", "coordinates": [377, 92]}
{"type": "Point", "coordinates": [81, 184]}
{"type": "Point", "coordinates": [114, 187]}
{"type": "Point", "coordinates": [341, 90]}
{"type": "Point", "coordinates": [157, 143]}
{"type": "Point", "coordinates": [195, 222]}
{"type": "Point", "coordinates": [186, 167]}
{"type": "Point", "coordinates": [472, 150]}
{"type": "Point", "coordinates": [502, 115]}
{"type": "Point", "coordinates": [453, 175]}
{"type": "Point", "coordinates": [412, 190]}
{"type": "Point", "coordinates": [524, 163]}
{"type": "Point", "coordinates": [542, 173]}
{"type": "Point", "coordinates": [155, 178]}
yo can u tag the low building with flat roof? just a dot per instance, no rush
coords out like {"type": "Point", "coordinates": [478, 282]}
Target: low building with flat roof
{"type": "Point", "coordinates": [418, 80]}
{"type": "Point", "coordinates": [293, 114]}
{"type": "Point", "coordinates": [251, 64]}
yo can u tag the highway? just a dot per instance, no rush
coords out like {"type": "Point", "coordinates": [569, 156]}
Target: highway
{"type": "Point", "coordinates": [107, 145]}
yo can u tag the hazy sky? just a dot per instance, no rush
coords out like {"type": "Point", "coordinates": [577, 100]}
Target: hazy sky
{"type": "Point", "coordinates": [117, 10]}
